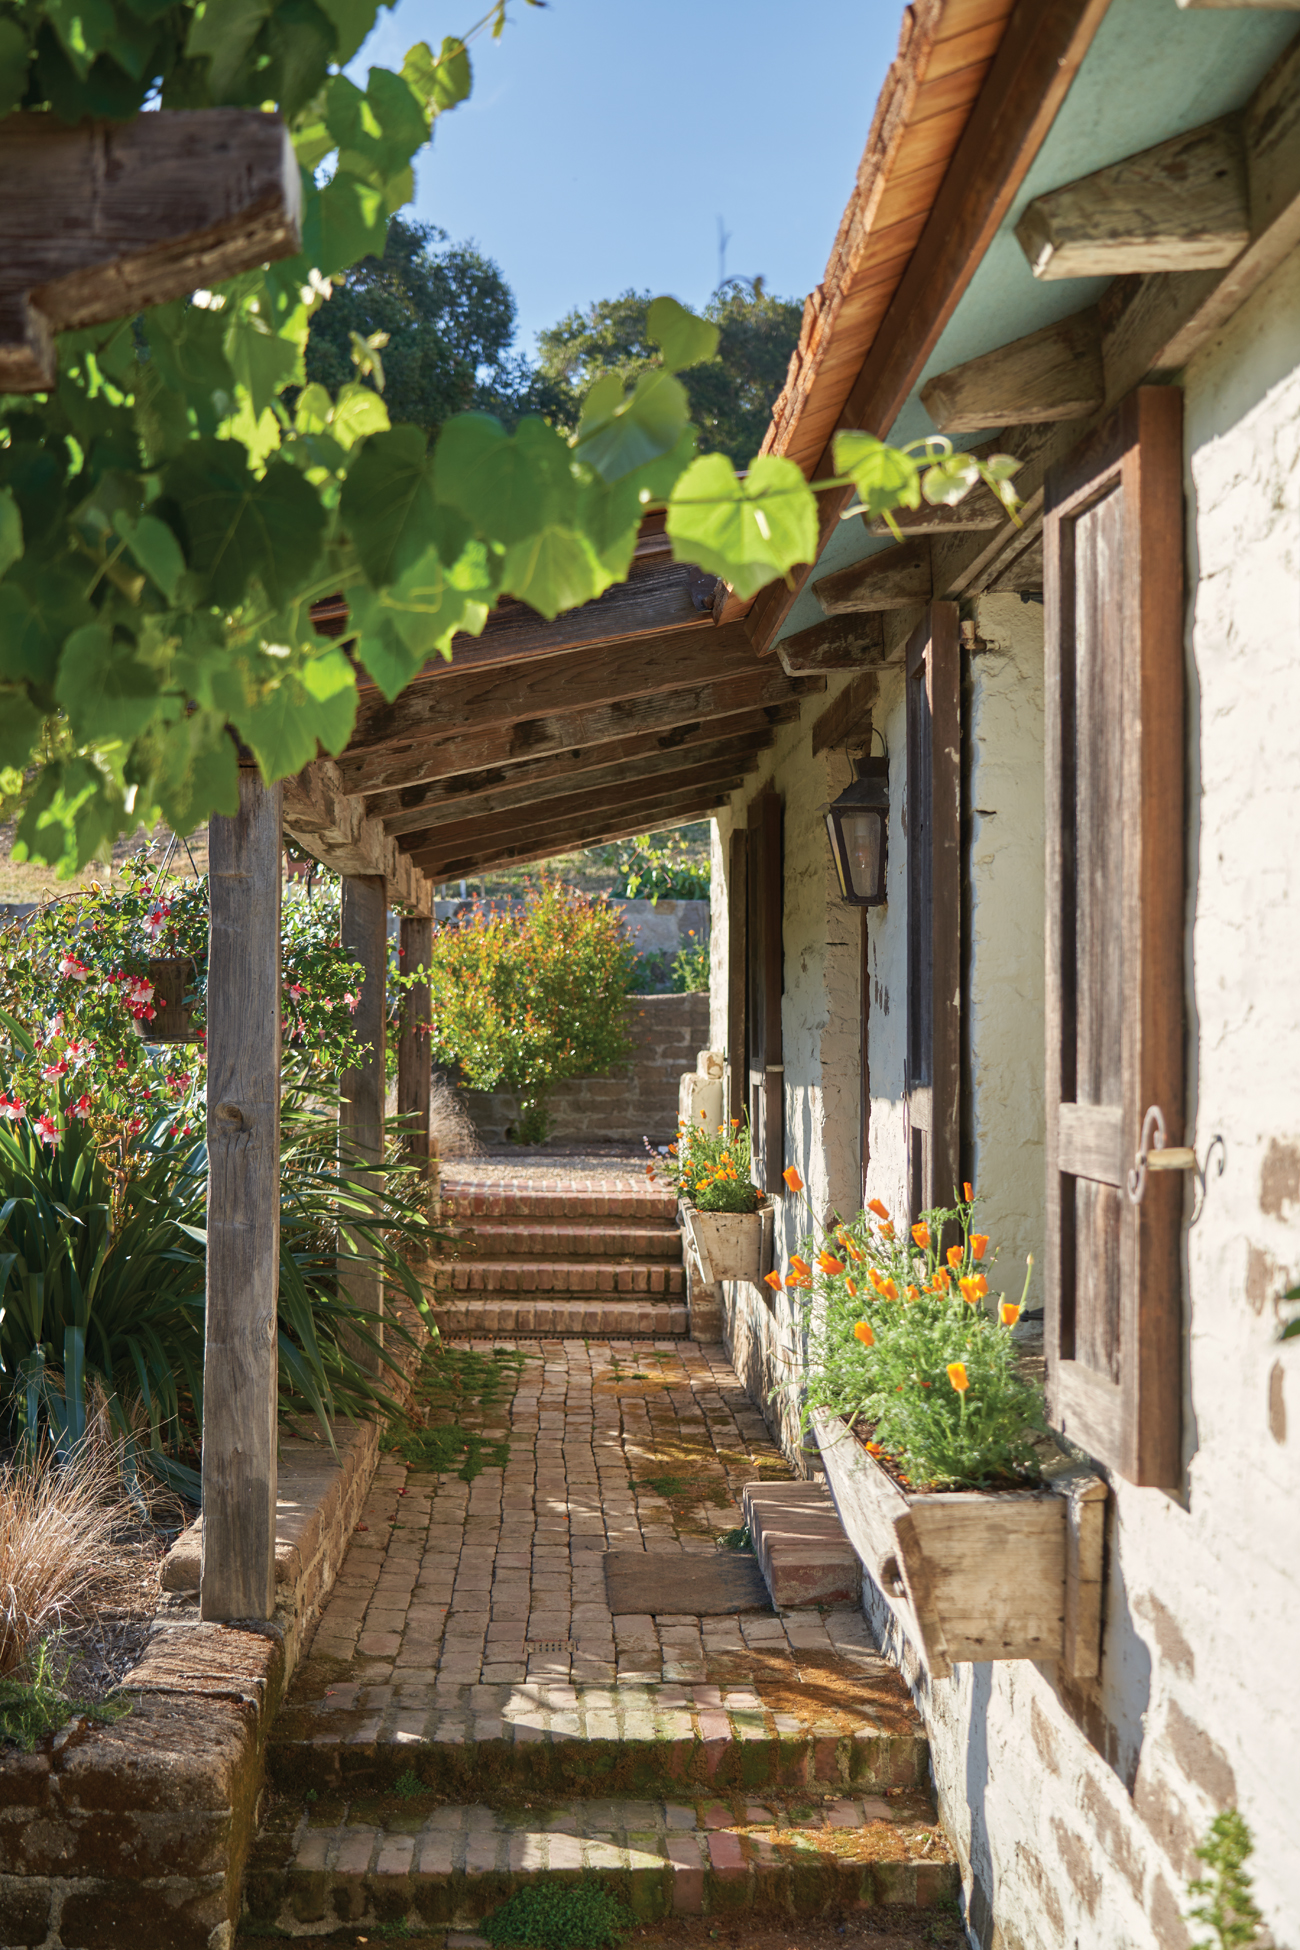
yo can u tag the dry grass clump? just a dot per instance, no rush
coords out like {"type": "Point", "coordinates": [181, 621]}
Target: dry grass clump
{"type": "Point", "coordinates": [450, 1122]}
{"type": "Point", "coordinates": [57, 1526]}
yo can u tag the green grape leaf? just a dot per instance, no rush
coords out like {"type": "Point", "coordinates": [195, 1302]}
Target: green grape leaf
{"type": "Point", "coordinates": [619, 433]}
{"type": "Point", "coordinates": [949, 480]}
{"type": "Point", "coordinates": [353, 223]}
{"type": "Point", "coordinates": [11, 530]}
{"type": "Point", "coordinates": [106, 693]}
{"type": "Point", "coordinates": [261, 361]}
{"type": "Point", "coordinates": [38, 608]}
{"type": "Point", "coordinates": [234, 526]}
{"type": "Point", "coordinates": [387, 504]}
{"type": "Point", "coordinates": [442, 81]}
{"type": "Point", "coordinates": [510, 488]}
{"type": "Point", "coordinates": [300, 39]}
{"type": "Point", "coordinates": [553, 570]}
{"type": "Point", "coordinates": [359, 411]}
{"type": "Point", "coordinates": [317, 703]}
{"type": "Point", "coordinates": [155, 548]}
{"type": "Point", "coordinates": [73, 810]}
{"type": "Point", "coordinates": [403, 125]}
{"type": "Point", "coordinates": [84, 27]}
{"type": "Point", "coordinates": [224, 31]}
{"type": "Point", "coordinates": [191, 771]}
{"type": "Point", "coordinates": [610, 516]}
{"type": "Point", "coordinates": [884, 477]}
{"type": "Point", "coordinates": [13, 65]}
{"type": "Point", "coordinates": [207, 669]}
{"type": "Point", "coordinates": [391, 662]}
{"type": "Point", "coordinates": [746, 531]}
{"type": "Point", "coordinates": [20, 727]}
{"type": "Point", "coordinates": [331, 683]}
{"type": "Point", "coordinates": [684, 339]}
{"type": "Point", "coordinates": [353, 20]}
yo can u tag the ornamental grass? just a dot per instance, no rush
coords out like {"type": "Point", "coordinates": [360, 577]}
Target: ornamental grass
{"type": "Point", "coordinates": [909, 1345]}
{"type": "Point", "coordinates": [56, 1529]}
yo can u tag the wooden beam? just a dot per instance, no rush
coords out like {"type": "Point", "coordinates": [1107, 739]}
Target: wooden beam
{"type": "Point", "coordinates": [1022, 573]}
{"type": "Point", "coordinates": [336, 826]}
{"type": "Point", "coordinates": [980, 508]}
{"type": "Point", "coordinates": [106, 218]}
{"type": "Point", "coordinates": [414, 1062]}
{"type": "Point", "coordinates": [451, 704]}
{"type": "Point", "coordinates": [1181, 206]}
{"type": "Point", "coordinates": [364, 936]}
{"type": "Point", "coordinates": [723, 755]}
{"type": "Point", "coordinates": [659, 597]}
{"type": "Point", "coordinates": [632, 821]}
{"type": "Point", "coordinates": [847, 722]}
{"type": "Point", "coordinates": [240, 1379]}
{"type": "Point", "coordinates": [1053, 374]}
{"type": "Point", "coordinates": [840, 643]}
{"type": "Point", "coordinates": [1039, 55]}
{"type": "Point", "coordinates": [452, 834]}
{"type": "Point", "coordinates": [896, 578]}
{"type": "Point", "coordinates": [748, 728]}
{"type": "Point", "coordinates": [450, 752]}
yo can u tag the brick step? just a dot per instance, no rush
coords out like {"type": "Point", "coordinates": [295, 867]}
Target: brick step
{"type": "Point", "coordinates": [462, 1199]}
{"type": "Point", "coordinates": [613, 1279]}
{"type": "Point", "coordinates": [632, 1317]}
{"type": "Point", "coordinates": [537, 1737]}
{"type": "Point", "coordinates": [416, 1865]}
{"type": "Point", "coordinates": [505, 1238]}
{"type": "Point", "coordinates": [800, 1543]}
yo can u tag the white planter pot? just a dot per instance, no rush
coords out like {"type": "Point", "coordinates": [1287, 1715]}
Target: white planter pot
{"type": "Point", "coordinates": [977, 1574]}
{"type": "Point", "coordinates": [730, 1245]}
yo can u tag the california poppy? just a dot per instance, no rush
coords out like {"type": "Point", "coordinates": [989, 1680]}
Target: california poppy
{"type": "Point", "coordinates": [978, 1242]}
{"type": "Point", "coordinates": [773, 1280]}
{"type": "Point", "coordinates": [862, 1332]}
{"type": "Point", "coordinates": [913, 1292]}
{"type": "Point", "coordinates": [958, 1377]}
{"type": "Point", "coordinates": [792, 1179]}
{"type": "Point", "coordinates": [886, 1229]}
{"type": "Point", "coordinates": [942, 1279]}
{"type": "Point", "coordinates": [955, 1255]}
{"type": "Point", "coordinates": [921, 1234]}
{"type": "Point", "coordinates": [970, 1291]}
{"type": "Point", "coordinates": [1008, 1313]}
{"type": "Point", "coordinates": [829, 1264]}
{"type": "Point", "coordinates": [881, 1211]}
{"type": "Point", "coordinates": [852, 1286]}
{"type": "Point", "coordinates": [967, 1193]}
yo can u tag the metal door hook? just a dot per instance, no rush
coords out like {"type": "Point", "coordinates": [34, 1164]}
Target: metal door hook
{"type": "Point", "coordinates": [1155, 1155]}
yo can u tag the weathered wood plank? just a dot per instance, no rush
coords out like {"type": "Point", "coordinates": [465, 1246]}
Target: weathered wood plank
{"type": "Point", "coordinates": [722, 756]}
{"type": "Point", "coordinates": [896, 578]}
{"type": "Point", "coordinates": [448, 753]}
{"type": "Point", "coordinates": [334, 825]}
{"type": "Point", "coordinates": [556, 815]}
{"type": "Point", "coordinates": [854, 642]}
{"type": "Point", "coordinates": [658, 597]}
{"type": "Point", "coordinates": [737, 972]}
{"type": "Point", "coordinates": [364, 934]}
{"type": "Point", "coordinates": [1181, 206]}
{"type": "Point", "coordinates": [414, 1063]}
{"type": "Point", "coordinates": [631, 820]}
{"type": "Point", "coordinates": [1052, 374]}
{"type": "Point", "coordinates": [106, 218]}
{"type": "Point", "coordinates": [240, 1364]}
{"type": "Point", "coordinates": [848, 719]}
{"type": "Point", "coordinates": [978, 509]}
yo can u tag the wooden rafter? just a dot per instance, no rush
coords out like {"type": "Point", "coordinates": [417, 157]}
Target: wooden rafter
{"type": "Point", "coordinates": [335, 826]}
{"type": "Point", "coordinates": [622, 780]}
{"type": "Point", "coordinates": [659, 597]}
{"type": "Point", "coordinates": [600, 830]}
{"type": "Point", "coordinates": [855, 642]}
{"type": "Point", "coordinates": [895, 578]}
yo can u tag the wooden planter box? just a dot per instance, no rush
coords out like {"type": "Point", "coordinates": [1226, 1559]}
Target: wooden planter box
{"type": "Point", "coordinates": [978, 1574]}
{"type": "Point", "coordinates": [730, 1245]}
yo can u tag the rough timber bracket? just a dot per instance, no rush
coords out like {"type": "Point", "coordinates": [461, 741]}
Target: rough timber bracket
{"type": "Point", "coordinates": [334, 825]}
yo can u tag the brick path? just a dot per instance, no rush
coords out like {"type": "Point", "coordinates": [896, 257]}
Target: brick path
{"type": "Point", "coordinates": [472, 1713]}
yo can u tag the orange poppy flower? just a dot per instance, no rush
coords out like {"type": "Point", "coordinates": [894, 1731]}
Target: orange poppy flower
{"type": "Point", "coordinates": [1008, 1313]}
{"type": "Point", "coordinates": [886, 1229]}
{"type": "Point", "coordinates": [852, 1286]}
{"type": "Point", "coordinates": [888, 1291]}
{"type": "Point", "coordinates": [799, 1263]}
{"type": "Point", "coordinates": [881, 1211]}
{"type": "Point", "coordinates": [798, 1279]}
{"type": "Point", "coordinates": [862, 1332]}
{"type": "Point", "coordinates": [829, 1264]}
{"type": "Point", "coordinates": [875, 1279]}
{"type": "Point", "coordinates": [958, 1377]}
{"type": "Point", "coordinates": [978, 1243]}
{"type": "Point", "coordinates": [853, 1253]}
{"type": "Point", "coordinates": [967, 1193]}
{"type": "Point", "coordinates": [773, 1280]}
{"type": "Point", "coordinates": [921, 1234]}
{"type": "Point", "coordinates": [942, 1279]}
{"type": "Point", "coordinates": [955, 1255]}
{"type": "Point", "coordinates": [970, 1291]}
{"type": "Point", "coordinates": [792, 1179]}
{"type": "Point", "coordinates": [913, 1292]}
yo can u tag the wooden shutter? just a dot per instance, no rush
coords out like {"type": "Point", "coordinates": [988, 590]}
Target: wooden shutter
{"type": "Point", "coordinates": [766, 981]}
{"type": "Point", "coordinates": [933, 1078]}
{"type": "Point", "coordinates": [737, 974]}
{"type": "Point", "coordinates": [1113, 554]}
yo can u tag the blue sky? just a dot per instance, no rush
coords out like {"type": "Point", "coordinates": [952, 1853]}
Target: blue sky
{"type": "Point", "coordinates": [604, 139]}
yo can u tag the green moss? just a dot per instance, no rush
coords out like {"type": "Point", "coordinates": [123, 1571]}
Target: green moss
{"type": "Point", "coordinates": [452, 1382]}
{"type": "Point", "coordinates": [553, 1915]}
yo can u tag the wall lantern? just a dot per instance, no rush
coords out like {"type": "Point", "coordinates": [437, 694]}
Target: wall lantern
{"type": "Point", "coordinates": [857, 824]}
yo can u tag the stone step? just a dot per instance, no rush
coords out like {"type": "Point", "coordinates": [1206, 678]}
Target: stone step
{"type": "Point", "coordinates": [568, 1316]}
{"type": "Point", "coordinates": [535, 1279]}
{"type": "Point", "coordinates": [533, 1239]}
{"type": "Point", "coordinates": [403, 1866]}
{"type": "Point", "coordinates": [801, 1545]}
{"type": "Point", "coordinates": [464, 1199]}
{"type": "Point", "coordinates": [534, 1738]}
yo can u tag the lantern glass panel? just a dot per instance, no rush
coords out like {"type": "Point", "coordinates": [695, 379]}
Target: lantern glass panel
{"type": "Point", "coordinates": [861, 842]}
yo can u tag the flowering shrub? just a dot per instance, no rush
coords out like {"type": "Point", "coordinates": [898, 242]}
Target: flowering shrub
{"type": "Point", "coordinates": [710, 1169]}
{"type": "Point", "coordinates": [76, 995]}
{"type": "Point", "coordinates": [906, 1338]}
{"type": "Point", "coordinates": [523, 997]}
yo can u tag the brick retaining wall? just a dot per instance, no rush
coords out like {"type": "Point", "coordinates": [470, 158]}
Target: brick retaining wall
{"type": "Point", "coordinates": [666, 1031]}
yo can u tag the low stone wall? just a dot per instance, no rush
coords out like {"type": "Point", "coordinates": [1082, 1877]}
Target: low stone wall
{"type": "Point", "coordinates": [666, 1032]}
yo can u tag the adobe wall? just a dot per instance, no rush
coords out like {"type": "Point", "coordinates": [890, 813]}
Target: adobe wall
{"type": "Point", "coordinates": [666, 1032]}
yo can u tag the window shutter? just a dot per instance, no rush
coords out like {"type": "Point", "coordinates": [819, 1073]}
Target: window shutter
{"type": "Point", "coordinates": [766, 980]}
{"type": "Point", "coordinates": [932, 1087]}
{"type": "Point", "coordinates": [737, 974]}
{"type": "Point", "coordinates": [1113, 595]}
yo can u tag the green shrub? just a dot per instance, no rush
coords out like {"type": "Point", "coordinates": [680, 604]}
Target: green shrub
{"type": "Point", "coordinates": [899, 1339]}
{"type": "Point", "coordinates": [667, 871]}
{"type": "Point", "coordinates": [524, 997]}
{"type": "Point", "coordinates": [554, 1915]}
{"type": "Point", "coordinates": [1227, 1907]}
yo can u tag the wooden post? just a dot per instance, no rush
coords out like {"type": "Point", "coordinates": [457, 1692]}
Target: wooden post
{"type": "Point", "coordinates": [361, 1092]}
{"type": "Point", "coordinates": [414, 1059]}
{"type": "Point", "coordinates": [240, 1377]}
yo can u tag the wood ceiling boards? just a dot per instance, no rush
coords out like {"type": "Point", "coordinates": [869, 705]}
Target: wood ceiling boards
{"type": "Point", "coordinates": [530, 843]}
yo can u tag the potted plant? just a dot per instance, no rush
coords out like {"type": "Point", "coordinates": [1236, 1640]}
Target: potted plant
{"type": "Point", "coordinates": [982, 1533]}
{"type": "Point", "coordinates": [727, 1220]}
